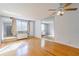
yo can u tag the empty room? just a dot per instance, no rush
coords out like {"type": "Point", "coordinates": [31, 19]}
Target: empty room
{"type": "Point", "coordinates": [39, 29]}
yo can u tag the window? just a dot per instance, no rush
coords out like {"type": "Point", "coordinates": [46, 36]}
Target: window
{"type": "Point", "coordinates": [21, 26]}
{"type": "Point", "coordinates": [18, 23]}
{"type": "Point", "coordinates": [7, 26]}
{"type": "Point", "coordinates": [24, 26]}
{"type": "Point", "coordinates": [42, 27]}
{"type": "Point", "coordinates": [45, 29]}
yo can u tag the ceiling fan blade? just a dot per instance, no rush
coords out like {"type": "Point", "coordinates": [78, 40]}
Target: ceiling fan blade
{"type": "Point", "coordinates": [67, 4]}
{"type": "Point", "coordinates": [54, 13]}
{"type": "Point", "coordinates": [51, 9]}
{"type": "Point", "coordinates": [71, 9]}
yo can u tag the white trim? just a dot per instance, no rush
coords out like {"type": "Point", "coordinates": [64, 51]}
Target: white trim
{"type": "Point", "coordinates": [66, 44]}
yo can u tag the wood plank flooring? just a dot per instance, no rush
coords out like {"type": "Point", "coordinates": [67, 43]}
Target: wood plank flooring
{"type": "Point", "coordinates": [60, 49]}
{"type": "Point", "coordinates": [32, 47]}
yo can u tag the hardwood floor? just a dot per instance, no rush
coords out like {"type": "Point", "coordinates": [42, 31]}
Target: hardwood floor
{"type": "Point", "coordinates": [32, 47]}
{"type": "Point", "coordinates": [61, 50]}
{"type": "Point", "coordinates": [53, 49]}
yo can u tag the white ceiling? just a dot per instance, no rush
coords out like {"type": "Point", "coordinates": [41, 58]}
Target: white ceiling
{"type": "Point", "coordinates": [29, 11]}
{"type": "Point", "coordinates": [49, 19]}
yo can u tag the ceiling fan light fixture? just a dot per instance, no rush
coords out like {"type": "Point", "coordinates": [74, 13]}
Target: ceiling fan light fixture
{"type": "Point", "coordinates": [60, 12]}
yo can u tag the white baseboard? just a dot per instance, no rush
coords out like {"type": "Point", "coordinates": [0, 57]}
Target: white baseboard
{"type": "Point", "coordinates": [66, 44]}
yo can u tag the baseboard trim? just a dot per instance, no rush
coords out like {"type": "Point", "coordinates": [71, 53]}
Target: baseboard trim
{"type": "Point", "coordinates": [66, 44]}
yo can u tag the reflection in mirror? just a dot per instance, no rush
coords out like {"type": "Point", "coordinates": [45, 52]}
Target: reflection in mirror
{"type": "Point", "coordinates": [47, 27]}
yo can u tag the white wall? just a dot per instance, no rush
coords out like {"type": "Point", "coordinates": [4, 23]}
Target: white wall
{"type": "Point", "coordinates": [1, 29]}
{"type": "Point", "coordinates": [51, 28]}
{"type": "Point", "coordinates": [38, 28]}
{"type": "Point", "coordinates": [32, 27]}
{"type": "Point", "coordinates": [67, 28]}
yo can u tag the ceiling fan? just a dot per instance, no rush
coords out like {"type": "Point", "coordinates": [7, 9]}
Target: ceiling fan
{"type": "Point", "coordinates": [63, 7]}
